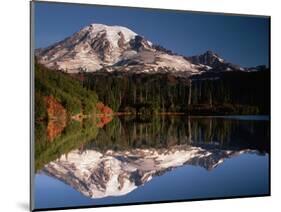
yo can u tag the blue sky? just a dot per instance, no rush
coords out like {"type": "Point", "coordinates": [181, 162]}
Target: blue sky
{"type": "Point", "coordinates": [240, 40]}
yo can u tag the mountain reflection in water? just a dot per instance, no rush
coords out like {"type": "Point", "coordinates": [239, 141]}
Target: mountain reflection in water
{"type": "Point", "coordinates": [130, 151]}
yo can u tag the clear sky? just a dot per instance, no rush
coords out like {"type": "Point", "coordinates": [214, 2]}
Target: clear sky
{"type": "Point", "coordinates": [240, 40]}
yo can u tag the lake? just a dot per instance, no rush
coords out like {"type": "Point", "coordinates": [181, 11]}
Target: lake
{"type": "Point", "coordinates": [133, 159]}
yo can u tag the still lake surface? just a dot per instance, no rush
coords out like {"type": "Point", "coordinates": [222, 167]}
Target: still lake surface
{"type": "Point", "coordinates": [163, 158]}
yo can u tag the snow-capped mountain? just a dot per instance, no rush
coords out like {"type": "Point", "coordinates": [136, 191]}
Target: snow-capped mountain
{"type": "Point", "coordinates": [91, 48]}
{"type": "Point", "coordinates": [116, 48]}
{"type": "Point", "coordinates": [110, 48]}
{"type": "Point", "coordinates": [113, 173]}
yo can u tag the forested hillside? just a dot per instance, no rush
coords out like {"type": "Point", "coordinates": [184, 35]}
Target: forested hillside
{"type": "Point", "coordinates": [67, 91]}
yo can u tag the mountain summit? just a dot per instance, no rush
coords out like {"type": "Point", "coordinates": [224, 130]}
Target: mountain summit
{"type": "Point", "coordinates": [208, 58]}
{"type": "Point", "coordinates": [90, 48]}
{"type": "Point", "coordinates": [214, 62]}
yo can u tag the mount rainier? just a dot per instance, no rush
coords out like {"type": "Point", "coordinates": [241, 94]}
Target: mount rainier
{"type": "Point", "coordinates": [99, 47]}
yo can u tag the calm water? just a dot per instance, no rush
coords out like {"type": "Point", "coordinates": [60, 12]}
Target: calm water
{"type": "Point", "coordinates": [142, 159]}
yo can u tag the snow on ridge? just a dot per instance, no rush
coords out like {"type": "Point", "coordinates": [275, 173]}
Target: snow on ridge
{"type": "Point", "coordinates": [218, 58]}
{"type": "Point", "coordinates": [112, 32]}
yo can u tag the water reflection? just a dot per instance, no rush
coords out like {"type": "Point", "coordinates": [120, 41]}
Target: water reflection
{"type": "Point", "coordinates": [165, 131]}
{"type": "Point", "coordinates": [128, 151]}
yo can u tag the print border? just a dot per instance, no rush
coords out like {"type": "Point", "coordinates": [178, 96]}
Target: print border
{"type": "Point", "coordinates": [32, 122]}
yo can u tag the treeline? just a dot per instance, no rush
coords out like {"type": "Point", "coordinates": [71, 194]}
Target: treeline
{"type": "Point", "coordinates": [66, 90]}
{"type": "Point", "coordinates": [139, 92]}
{"type": "Point", "coordinates": [232, 92]}
{"type": "Point", "coordinates": [252, 88]}
{"type": "Point", "coordinates": [218, 93]}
